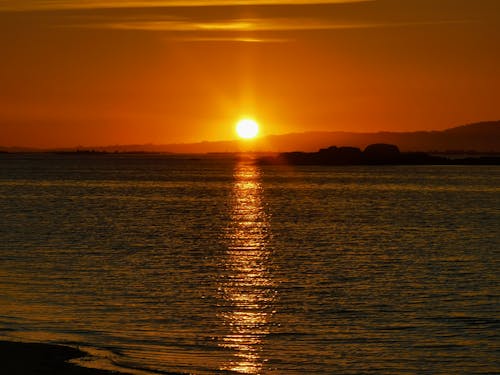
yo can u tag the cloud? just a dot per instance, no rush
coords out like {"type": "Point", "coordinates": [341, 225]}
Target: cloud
{"type": "Point", "coordinates": [231, 39]}
{"type": "Point", "coordinates": [239, 23]}
{"type": "Point", "coordinates": [254, 24]}
{"type": "Point", "coordinates": [21, 5]}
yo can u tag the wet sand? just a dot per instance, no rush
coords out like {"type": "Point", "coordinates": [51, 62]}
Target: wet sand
{"type": "Point", "coordinates": [40, 359]}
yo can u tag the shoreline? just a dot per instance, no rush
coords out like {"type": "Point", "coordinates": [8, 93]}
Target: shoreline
{"type": "Point", "coordinates": [22, 358]}
{"type": "Point", "coordinates": [38, 358]}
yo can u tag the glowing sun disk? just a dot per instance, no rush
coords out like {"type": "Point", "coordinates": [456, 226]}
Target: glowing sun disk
{"type": "Point", "coordinates": [247, 128]}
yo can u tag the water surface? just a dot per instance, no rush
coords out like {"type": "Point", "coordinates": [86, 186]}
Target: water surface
{"type": "Point", "coordinates": [215, 265]}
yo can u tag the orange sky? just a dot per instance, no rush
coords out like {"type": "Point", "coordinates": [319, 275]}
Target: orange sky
{"type": "Point", "coordinates": [76, 72]}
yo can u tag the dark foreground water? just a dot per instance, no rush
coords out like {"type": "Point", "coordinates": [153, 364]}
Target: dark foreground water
{"type": "Point", "coordinates": [215, 265]}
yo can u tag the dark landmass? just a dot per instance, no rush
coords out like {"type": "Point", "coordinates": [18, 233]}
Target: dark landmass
{"type": "Point", "coordinates": [81, 152]}
{"type": "Point", "coordinates": [375, 154]}
{"type": "Point", "coordinates": [93, 152]}
{"type": "Point", "coordinates": [18, 358]}
{"type": "Point", "coordinates": [42, 359]}
{"type": "Point", "coordinates": [479, 137]}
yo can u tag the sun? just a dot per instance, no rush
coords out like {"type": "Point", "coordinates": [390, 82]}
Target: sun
{"type": "Point", "coordinates": [247, 128]}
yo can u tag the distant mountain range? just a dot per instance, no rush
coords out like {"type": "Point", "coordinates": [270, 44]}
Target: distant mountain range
{"type": "Point", "coordinates": [482, 137]}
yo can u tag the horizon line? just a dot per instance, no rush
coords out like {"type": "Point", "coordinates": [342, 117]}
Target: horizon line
{"type": "Point", "coordinates": [234, 140]}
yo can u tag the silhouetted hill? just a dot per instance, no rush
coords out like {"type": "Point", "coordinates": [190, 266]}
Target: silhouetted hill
{"type": "Point", "coordinates": [482, 137]}
{"type": "Point", "coordinates": [480, 128]}
{"type": "Point", "coordinates": [479, 137]}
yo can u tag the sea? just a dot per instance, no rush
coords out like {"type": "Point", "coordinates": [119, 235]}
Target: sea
{"type": "Point", "coordinates": [215, 264]}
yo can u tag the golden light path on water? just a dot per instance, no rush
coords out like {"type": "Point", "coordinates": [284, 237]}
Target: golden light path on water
{"type": "Point", "coordinates": [246, 287]}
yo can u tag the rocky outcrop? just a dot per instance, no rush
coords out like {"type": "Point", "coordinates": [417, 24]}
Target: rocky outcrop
{"type": "Point", "coordinates": [375, 154]}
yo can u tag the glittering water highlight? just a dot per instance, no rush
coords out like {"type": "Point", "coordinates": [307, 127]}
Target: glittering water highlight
{"type": "Point", "coordinates": [247, 287]}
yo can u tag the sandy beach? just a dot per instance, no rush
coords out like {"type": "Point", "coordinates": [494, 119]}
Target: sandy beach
{"type": "Point", "coordinates": [40, 359]}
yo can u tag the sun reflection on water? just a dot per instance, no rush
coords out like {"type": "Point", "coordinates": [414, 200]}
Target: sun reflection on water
{"type": "Point", "coordinates": [247, 290]}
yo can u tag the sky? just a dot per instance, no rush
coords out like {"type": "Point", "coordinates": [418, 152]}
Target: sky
{"type": "Point", "coordinates": [92, 73]}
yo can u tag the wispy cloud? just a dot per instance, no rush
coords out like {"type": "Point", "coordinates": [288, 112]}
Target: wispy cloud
{"type": "Point", "coordinates": [247, 30]}
{"type": "Point", "coordinates": [195, 20]}
{"type": "Point", "coordinates": [255, 24]}
{"type": "Point", "coordinates": [230, 39]}
{"type": "Point", "coordinates": [97, 4]}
